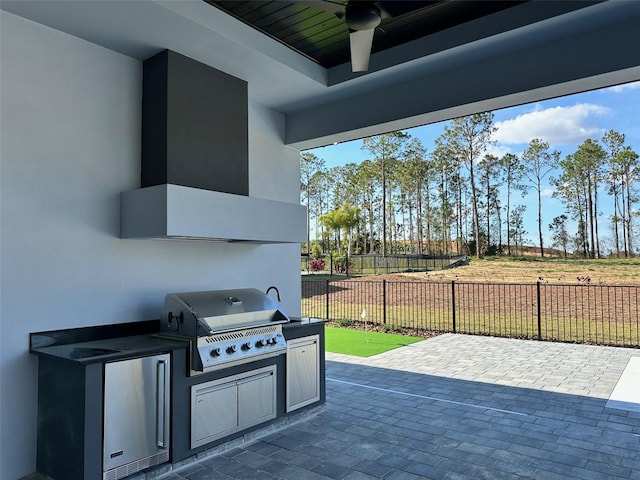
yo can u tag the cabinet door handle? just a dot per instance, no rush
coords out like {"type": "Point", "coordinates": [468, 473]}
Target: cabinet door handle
{"type": "Point", "coordinates": [304, 344]}
{"type": "Point", "coordinates": [161, 405]}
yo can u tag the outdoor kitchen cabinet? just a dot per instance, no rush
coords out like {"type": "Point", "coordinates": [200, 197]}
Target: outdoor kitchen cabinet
{"type": "Point", "coordinates": [75, 370]}
{"type": "Point", "coordinates": [303, 372]}
{"type": "Point", "coordinates": [230, 404]}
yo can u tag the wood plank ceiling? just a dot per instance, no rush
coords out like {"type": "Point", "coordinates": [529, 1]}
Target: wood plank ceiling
{"type": "Point", "coordinates": [317, 29]}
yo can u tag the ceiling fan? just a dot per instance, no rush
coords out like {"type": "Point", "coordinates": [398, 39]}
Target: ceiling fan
{"type": "Point", "coordinates": [362, 18]}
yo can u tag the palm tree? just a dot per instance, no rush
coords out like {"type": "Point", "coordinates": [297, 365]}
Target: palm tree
{"type": "Point", "coordinates": [349, 219]}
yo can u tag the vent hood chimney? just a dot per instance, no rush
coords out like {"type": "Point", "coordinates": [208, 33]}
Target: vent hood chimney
{"type": "Point", "coordinates": [195, 161]}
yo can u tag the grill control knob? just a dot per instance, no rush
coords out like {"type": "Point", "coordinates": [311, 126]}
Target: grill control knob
{"type": "Point", "coordinates": [273, 340]}
{"type": "Point", "coordinates": [215, 352]}
{"type": "Point", "coordinates": [261, 343]}
{"type": "Point", "coordinates": [246, 346]}
{"type": "Point", "coordinates": [231, 349]}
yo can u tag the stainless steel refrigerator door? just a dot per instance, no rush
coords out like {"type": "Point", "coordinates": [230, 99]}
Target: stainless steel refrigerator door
{"type": "Point", "coordinates": [136, 410]}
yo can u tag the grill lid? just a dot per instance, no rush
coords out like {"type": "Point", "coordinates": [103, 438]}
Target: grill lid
{"type": "Point", "coordinates": [199, 314]}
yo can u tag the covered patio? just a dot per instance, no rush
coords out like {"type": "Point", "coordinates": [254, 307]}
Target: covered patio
{"type": "Point", "coordinates": [72, 96]}
{"type": "Point", "coordinates": [454, 407]}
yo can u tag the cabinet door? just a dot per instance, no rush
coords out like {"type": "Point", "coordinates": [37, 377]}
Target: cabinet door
{"type": "Point", "coordinates": [256, 399]}
{"type": "Point", "coordinates": [214, 412]}
{"type": "Point", "coordinates": [303, 372]}
{"type": "Point", "coordinates": [222, 407]}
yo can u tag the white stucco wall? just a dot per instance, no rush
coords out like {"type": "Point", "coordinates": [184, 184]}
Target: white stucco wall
{"type": "Point", "coordinates": [70, 143]}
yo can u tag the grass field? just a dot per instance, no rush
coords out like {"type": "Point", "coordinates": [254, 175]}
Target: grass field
{"type": "Point", "coordinates": [363, 343]}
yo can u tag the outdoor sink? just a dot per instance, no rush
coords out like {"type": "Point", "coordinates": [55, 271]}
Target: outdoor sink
{"type": "Point", "coordinates": [87, 352]}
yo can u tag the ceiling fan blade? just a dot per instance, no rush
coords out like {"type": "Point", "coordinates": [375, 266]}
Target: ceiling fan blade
{"type": "Point", "coordinates": [361, 42]}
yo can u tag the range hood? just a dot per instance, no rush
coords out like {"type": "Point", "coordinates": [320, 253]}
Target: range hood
{"type": "Point", "coordinates": [195, 162]}
{"type": "Point", "coordinates": [178, 212]}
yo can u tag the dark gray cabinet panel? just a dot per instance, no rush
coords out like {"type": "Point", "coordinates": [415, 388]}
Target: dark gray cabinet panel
{"type": "Point", "coordinates": [69, 419]}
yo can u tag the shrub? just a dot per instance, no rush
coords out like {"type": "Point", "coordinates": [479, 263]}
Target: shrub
{"type": "Point", "coordinates": [385, 328]}
{"type": "Point", "coordinates": [317, 265]}
{"type": "Point", "coordinates": [340, 264]}
{"type": "Point", "coordinates": [344, 322]}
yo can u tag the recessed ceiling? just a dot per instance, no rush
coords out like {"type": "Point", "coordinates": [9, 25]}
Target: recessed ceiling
{"type": "Point", "coordinates": [317, 29]}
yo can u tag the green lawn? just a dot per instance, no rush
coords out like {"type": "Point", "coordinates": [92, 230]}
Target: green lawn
{"type": "Point", "coordinates": [361, 344]}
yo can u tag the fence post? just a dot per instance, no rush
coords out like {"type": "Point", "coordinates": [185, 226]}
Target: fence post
{"type": "Point", "coordinates": [539, 311]}
{"type": "Point", "coordinates": [327, 297]}
{"type": "Point", "coordinates": [453, 304]}
{"type": "Point", "coordinates": [384, 302]}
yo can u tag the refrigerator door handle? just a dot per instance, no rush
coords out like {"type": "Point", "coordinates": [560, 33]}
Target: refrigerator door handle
{"type": "Point", "coordinates": [161, 407]}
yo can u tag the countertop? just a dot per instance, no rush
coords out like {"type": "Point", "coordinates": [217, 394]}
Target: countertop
{"type": "Point", "coordinates": [297, 322]}
{"type": "Point", "coordinates": [111, 349]}
{"type": "Point", "coordinates": [92, 350]}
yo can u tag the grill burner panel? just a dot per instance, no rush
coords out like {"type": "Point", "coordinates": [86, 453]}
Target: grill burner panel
{"type": "Point", "coordinates": [240, 346]}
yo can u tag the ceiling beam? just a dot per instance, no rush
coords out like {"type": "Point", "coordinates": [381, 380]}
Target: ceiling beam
{"type": "Point", "coordinates": [585, 50]}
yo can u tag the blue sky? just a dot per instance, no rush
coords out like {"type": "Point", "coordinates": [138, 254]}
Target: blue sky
{"type": "Point", "coordinates": [563, 122]}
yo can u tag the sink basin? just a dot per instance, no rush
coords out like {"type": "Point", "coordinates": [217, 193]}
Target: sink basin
{"type": "Point", "coordinates": [86, 352]}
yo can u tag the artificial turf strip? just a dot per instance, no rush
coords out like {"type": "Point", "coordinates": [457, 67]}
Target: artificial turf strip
{"type": "Point", "coordinates": [354, 342]}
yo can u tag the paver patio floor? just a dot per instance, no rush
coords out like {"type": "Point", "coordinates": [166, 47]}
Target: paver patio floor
{"type": "Point", "coordinates": [455, 407]}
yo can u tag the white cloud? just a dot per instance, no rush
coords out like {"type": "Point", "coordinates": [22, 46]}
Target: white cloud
{"type": "Point", "coordinates": [547, 192]}
{"type": "Point", "coordinates": [497, 150]}
{"type": "Point", "coordinates": [557, 125]}
{"type": "Point", "coordinates": [622, 88]}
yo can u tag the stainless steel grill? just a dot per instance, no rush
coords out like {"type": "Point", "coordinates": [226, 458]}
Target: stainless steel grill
{"type": "Point", "coordinates": [225, 327]}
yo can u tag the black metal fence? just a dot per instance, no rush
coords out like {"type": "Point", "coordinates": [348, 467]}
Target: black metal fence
{"type": "Point", "coordinates": [376, 264]}
{"type": "Point", "coordinates": [597, 314]}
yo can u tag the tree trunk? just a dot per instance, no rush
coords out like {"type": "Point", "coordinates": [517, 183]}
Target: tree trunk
{"type": "Point", "coordinates": [308, 221]}
{"type": "Point", "coordinates": [629, 216]}
{"type": "Point", "coordinates": [508, 219]}
{"type": "Point", "coordinates": [592, 253]}
{"type": "Point", "coordinates": [616, 233]}
{"type": "Point", "coordinates": [474, 203]}
{"type": "Point", "coordinates": [623, 216]}
{"type": "Point", "coordinates": [459, 232]}
{"type": "Point", "coordinates": [595, 216]}
{"type": "Point", "coordinates": [371, 226]}
{"type": "Point", "coordinates": [585, 226]}
{"type": "Point", "coordinates": [488, 213]}
{"type": "Point", "coordinates": [419, 220]}
{"type": "Point", "coordinates": [428, 222]}
{"type": "Point", "coordinates": [384, 209]}
{"type": "Point", "coordinates": [540, 218]}
{"type": "Point", "coordinates": [391, 220]}
{"type": "Point", "coordinates": [499, 219]}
